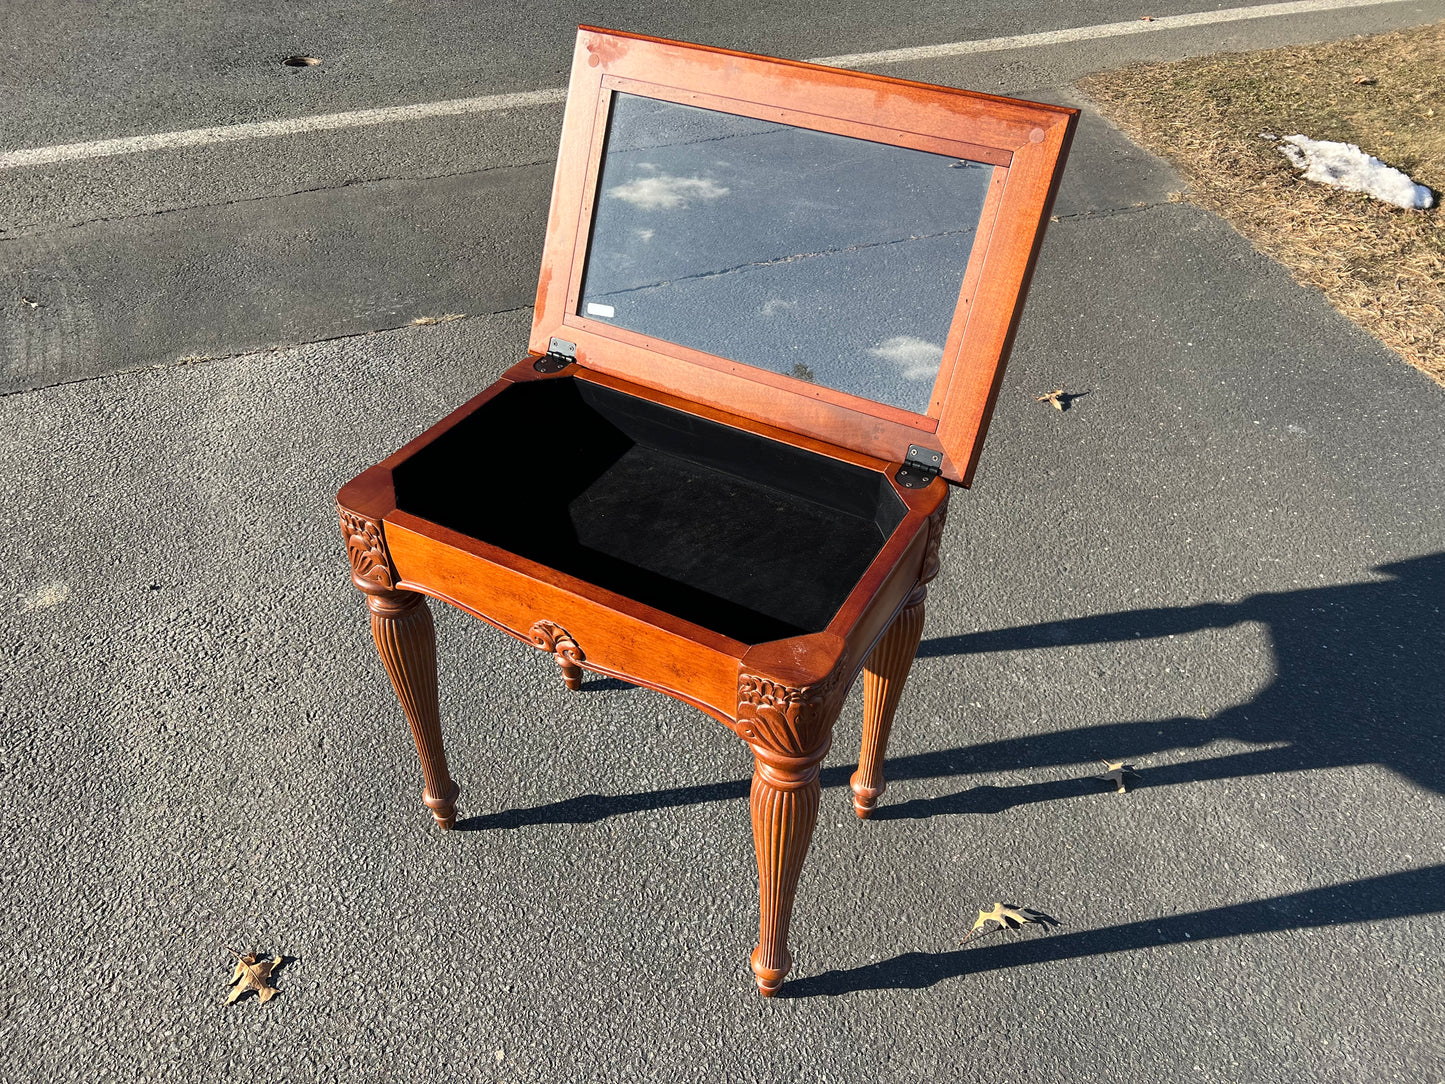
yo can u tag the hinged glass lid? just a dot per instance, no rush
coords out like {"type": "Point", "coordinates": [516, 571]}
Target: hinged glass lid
{"type": "Point", "coordinates": [840, 255]}
{"type": "Point", "coordinates": [835, 260]}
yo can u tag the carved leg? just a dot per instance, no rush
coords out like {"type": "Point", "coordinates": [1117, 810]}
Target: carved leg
{"type": "Point", "coordinates": [788, 722]}
{"type": "Point", "coordinates": [884, 675]}
{"type": "Point", "coordinates": [402, 626]}
{"type": "Point", "coordinates": [785, 810]}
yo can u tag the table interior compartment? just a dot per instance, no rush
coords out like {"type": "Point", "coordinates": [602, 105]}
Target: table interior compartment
{"type": "Point", "coordinates": [749, 537]}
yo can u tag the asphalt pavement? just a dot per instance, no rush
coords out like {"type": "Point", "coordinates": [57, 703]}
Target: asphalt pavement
{"type": "Point", "coordinates": [1224, 563]}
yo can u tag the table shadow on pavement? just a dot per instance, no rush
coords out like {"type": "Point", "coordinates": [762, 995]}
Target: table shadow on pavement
{"type": "Point", "coordinates": [1357, 682]}
{"type": "Point", "coordinates": [1371, 899]}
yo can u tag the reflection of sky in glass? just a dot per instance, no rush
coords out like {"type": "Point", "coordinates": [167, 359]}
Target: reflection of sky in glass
{"type": "Point", "coordinates": [815, 255]}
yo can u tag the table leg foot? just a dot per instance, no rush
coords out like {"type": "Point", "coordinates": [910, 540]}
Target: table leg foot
{"type": "Point", "coordinates": [401, 625]}
{"type": "Point", "coordinates": [884, 675]}
{"type": "Point", "coordinates": [769, 979]}
{"type": "Point", "coordinates": [443, 808]}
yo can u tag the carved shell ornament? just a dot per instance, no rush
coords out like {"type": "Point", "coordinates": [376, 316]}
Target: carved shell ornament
{"type": "Point", "coordinates": [366, 549]}
{"type": "Point", "coordinates": [554, 638]}
{"type": "Point", "coordinates": [780, 717]}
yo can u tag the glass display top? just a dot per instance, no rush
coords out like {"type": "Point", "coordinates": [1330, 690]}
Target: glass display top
{"type": "Point", "coordinates": [832, 259]}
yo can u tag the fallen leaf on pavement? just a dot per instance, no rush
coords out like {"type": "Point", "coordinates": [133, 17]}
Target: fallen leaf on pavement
{"type": "Point", "coordinates": [1056, 398]}
{"type": "Point", "coordinates": [1116, 771]}
{"type": "Point", "coordinates": [1007, 916]}
{"type": "Point", "coordinates": [253, 974]}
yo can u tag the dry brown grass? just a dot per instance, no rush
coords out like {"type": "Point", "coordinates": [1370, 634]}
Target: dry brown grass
{"type": "Point", "coordinates": [1382, 267]}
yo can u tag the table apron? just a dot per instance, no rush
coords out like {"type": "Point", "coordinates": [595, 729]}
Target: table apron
{"type": "Point", "coordinates": [608, 641]}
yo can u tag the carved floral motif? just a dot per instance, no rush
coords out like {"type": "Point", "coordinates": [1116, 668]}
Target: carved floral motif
{"type": "Point", "coordinates": [366, 548]}
{"type": "Point", "coordinates": [787, 720]}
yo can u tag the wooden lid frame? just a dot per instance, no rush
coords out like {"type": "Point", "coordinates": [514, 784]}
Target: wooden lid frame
{"type": "Point", "coordinates": [1026, 143]}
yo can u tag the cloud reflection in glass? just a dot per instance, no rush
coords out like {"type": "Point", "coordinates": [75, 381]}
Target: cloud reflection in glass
{"type": "Point", "coordinates": [784, 248]}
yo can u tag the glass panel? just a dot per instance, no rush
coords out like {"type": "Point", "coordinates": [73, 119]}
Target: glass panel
{"type": "Point", "coordinates": [831, 259]}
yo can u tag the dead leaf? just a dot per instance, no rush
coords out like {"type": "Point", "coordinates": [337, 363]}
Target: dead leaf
{"type": "Point", "coordinates": [1364, 80]}
{"type": "Point", "coordinates": [1060, 399]}
{"type": "Point", "coordinates": [1146, 18]}
{"type": "Point", "coordinates": [1116, 771]}
{"type": "Point", "coordinates": [253, 974]}
{"type": "Point", "coordinates": [1007, 916]}
{"type": "Point", "coordinates": [1054, 398]}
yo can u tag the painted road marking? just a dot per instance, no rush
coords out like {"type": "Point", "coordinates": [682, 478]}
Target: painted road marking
{"type": "Point", "coordinates": [235, 133]}
{"type": "Point", "coordinates": [1090, 33]}
{"type": "Point", "coordinates": [358, 118]}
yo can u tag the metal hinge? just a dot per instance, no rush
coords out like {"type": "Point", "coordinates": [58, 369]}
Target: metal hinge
{"type": "Point", "coordinates": [560, 354]}
{"type": "Point", "coordinates": [922, 466]}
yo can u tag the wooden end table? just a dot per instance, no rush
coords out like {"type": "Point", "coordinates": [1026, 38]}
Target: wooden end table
{"type": "Point", "coordinates": [773, 313]}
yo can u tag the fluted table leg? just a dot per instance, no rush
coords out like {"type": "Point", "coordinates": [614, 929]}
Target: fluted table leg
{"type": "Point", "coordinates": [401, 625]}
{"type": "Point", "coordinates": [785, 811]}
{"type": "Point", "coordinates": [884, 675]}
{"type": "Point", "coordinates": [789, 725]}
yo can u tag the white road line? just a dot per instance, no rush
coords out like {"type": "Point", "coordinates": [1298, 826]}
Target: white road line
{"type": "Point", "coordinates": [233, 133]}
{"type": "Point", "coordinates": [1089, 33]}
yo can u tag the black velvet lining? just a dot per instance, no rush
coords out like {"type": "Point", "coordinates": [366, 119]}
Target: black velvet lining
{"type": "Point", "coordinates": [751, 538]}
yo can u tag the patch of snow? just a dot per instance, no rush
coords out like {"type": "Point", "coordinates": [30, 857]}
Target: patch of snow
{"type": "Point", "coordinates": [1344, 165]}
